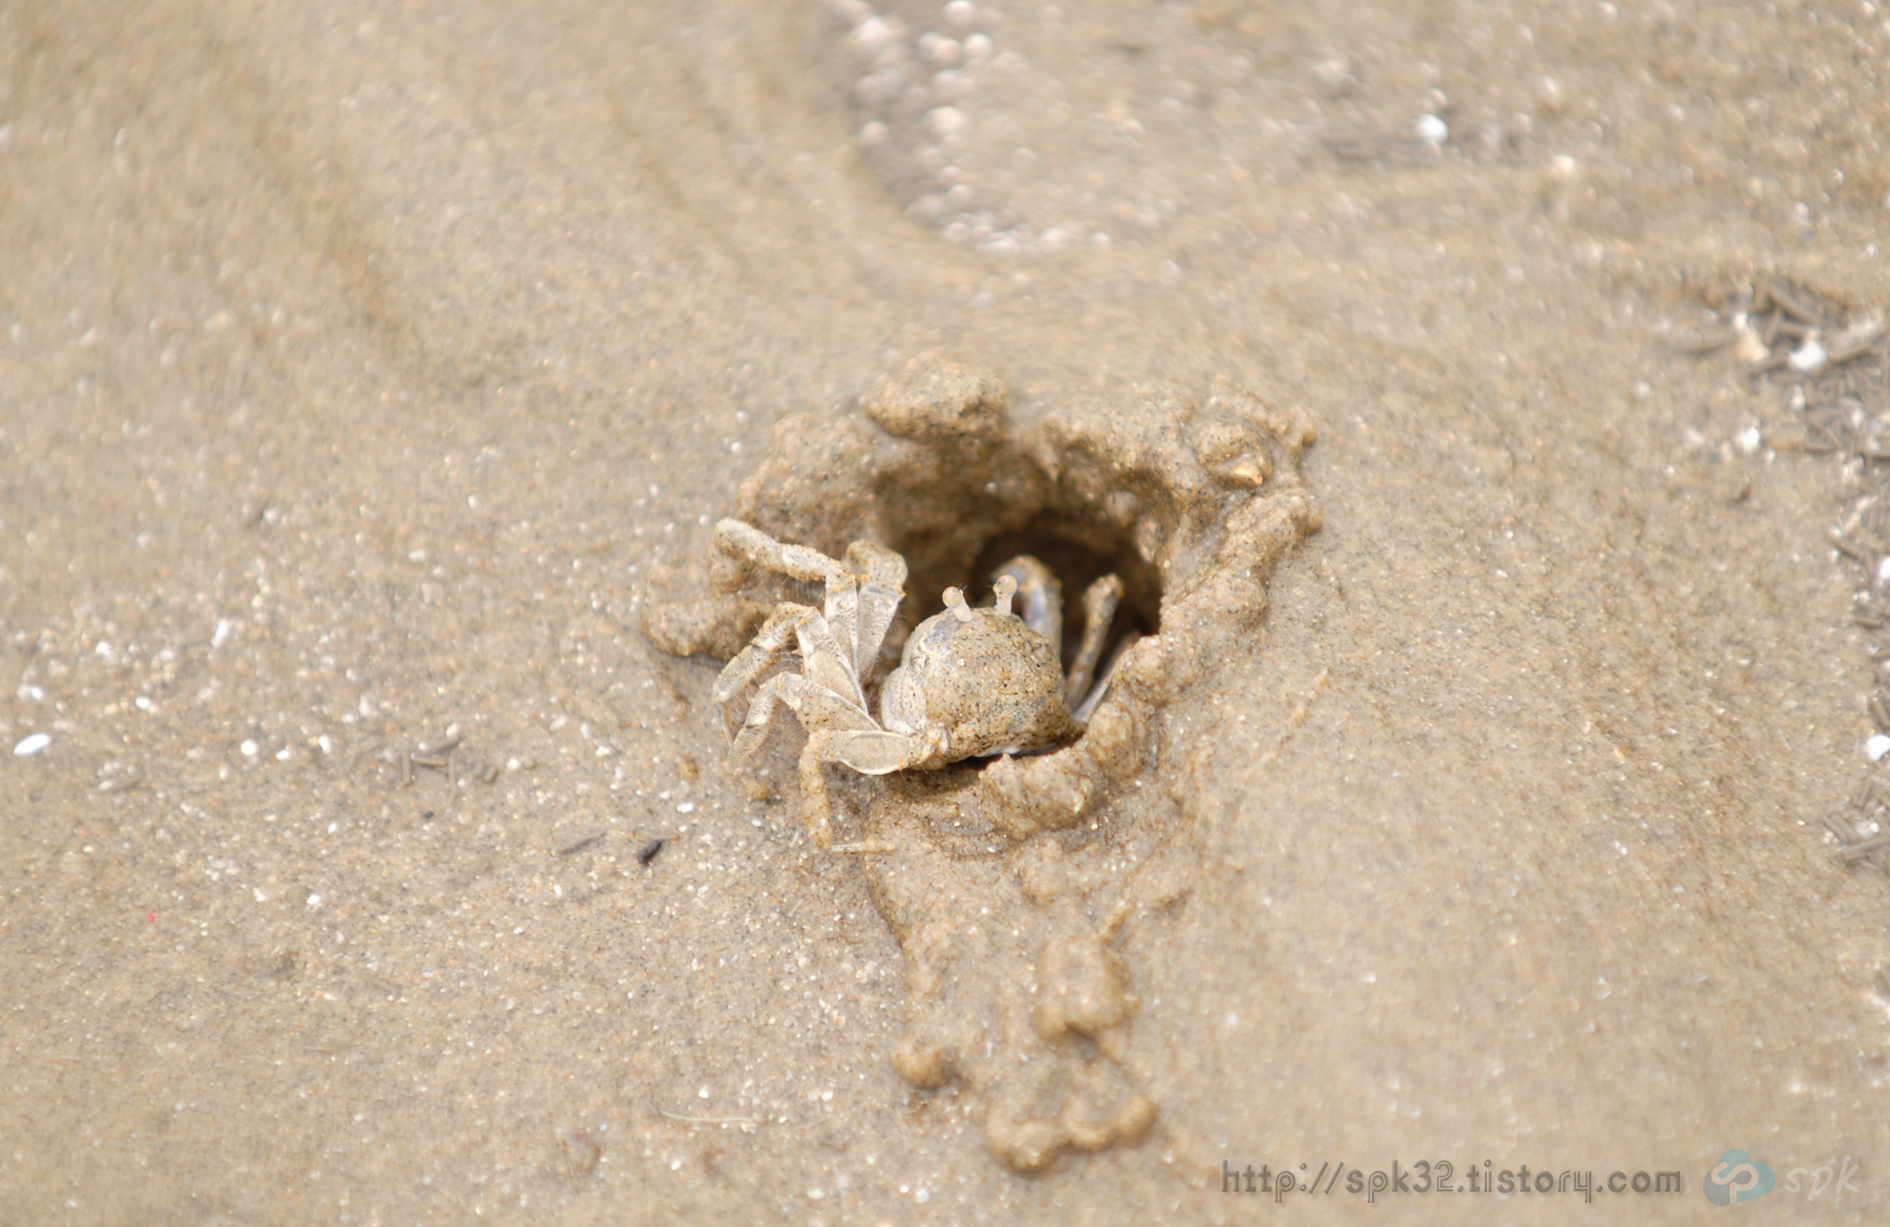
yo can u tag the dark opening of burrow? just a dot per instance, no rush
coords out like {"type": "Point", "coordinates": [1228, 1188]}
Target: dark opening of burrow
{"type": "Point", "coordinates": [1077, 550]}
{"type": "Point", "coordinates": [1079, 554]}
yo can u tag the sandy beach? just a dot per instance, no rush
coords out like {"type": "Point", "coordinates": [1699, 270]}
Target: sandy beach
{"type": "Point", "coordinates": [1482, 405]}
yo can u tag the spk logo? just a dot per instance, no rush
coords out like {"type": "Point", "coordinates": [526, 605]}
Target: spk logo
{"type": "Point", "coordinates": [1739, 1177]}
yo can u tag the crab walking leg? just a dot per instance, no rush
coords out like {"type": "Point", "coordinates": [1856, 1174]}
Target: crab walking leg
{"type": "Point", "coordinates": [816, 806]}
{"type": "Point", "coordinates": [1088, 708]}
{"type": "Point", "coordinates": [817, 707]}
{"type": "Point", "coordinates": [752, 661]}
{"type": "Point", "coordinates": [842, 596]}
{"type": "Point", "coordinates": [841, 625]}
{"type": "Point", "coordinates": [860, 606]}
{"type": "Point", "coordinates": [825, 661]}
{"type": "Point", "coordinates": [746, 541]}
{"type": "Point", "coordinates": [1039, 596]}
{"type": "Point", "coordinates": [1099, 610]}
{"type": "Point", "coordinates": [760, 721]}
{"type": "Point", "coordinates": [862, 594]}
{"type": "Point", "coordinates": [882, 586]}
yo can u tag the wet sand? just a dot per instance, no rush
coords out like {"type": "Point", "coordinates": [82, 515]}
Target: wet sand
{"type": "Point", "coordinates": [366, 375]}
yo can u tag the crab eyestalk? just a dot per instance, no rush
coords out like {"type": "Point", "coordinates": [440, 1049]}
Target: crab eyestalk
{"type": "Point", "coordinates": [1006, 589]}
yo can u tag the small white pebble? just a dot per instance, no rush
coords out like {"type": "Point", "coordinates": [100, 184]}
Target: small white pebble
{"type": "Point", "coordinates": [284, 754]}
{"type": "Point", "coordinates": [1431, 130]}
{"type": "Point", "coordinates": [1877, 747]}
{"type": "Point", "coordinates": [687, 807]}
{"type": "Point", "coordinates": [873, 33]}
{"type": "Point", "coordinates": [1750, 348]}
{"type": "Point", "coordinates": [221, 635]}
{"type": "Point", "coordinates": [32, 744]}
{"type": "Point", "coordinates": [1748, 439]}
{"type": "Point", "coordinates": [315, 900]}
{"type": "Point", "coordinates": [978, 47]}
{"type": "Point", "coordinates": [1807, 357]}
{"type": "Point", "coordinates": [946, 121]}
{"type": "Point", "coordinates": [29, 693]}
{"type": "Point", "coordinates": [249, 748]}
{"type": "Point", "coordinates": [143, 703]}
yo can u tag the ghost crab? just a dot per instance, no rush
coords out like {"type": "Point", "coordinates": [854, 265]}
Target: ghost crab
{"type": "Point", "coordinates": [971, 683]}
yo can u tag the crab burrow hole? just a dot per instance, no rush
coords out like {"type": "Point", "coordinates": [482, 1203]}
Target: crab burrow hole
{"type": "Point", "coordinates": [1189, 501]}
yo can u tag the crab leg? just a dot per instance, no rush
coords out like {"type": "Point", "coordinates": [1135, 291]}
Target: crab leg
{"type": "Point", "coordinates": [825, 662]}
{"type": "Point", "coordinates": [752, 661]}
{"type": "Point", "coordinates": [816, 706]}
{"type": "Point", "coordinates": [1099, 609]}
{"type": "Point", "coordinates": [746, 541]}
{"type": "Point", "coordinates": [759, 723]}
{"type": "Point", "coordinates": [1040, 596]}
{"type": "Point", "coordinates": [882, 585]}
{"type": "Point", "coordinates": [816, 807]}
{"type": "Point", "coordinates": [1088, 707]}
{"type": "Point", "coordinates": [800, 562]}
{"type": "Point", "coordinates": [862, 594]}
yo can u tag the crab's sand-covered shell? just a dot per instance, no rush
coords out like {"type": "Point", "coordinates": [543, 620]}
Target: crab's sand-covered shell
{"type": "Point", "coordinates": [990, 681]}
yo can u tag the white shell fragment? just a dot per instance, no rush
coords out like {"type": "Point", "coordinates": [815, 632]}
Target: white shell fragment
{"type": "Point", "coordinates": [1807, 357]}
{"type": "Point", "coordinates": [1876, 747]}
{"type": "Point", "coordinates": [1750, 348]}
{"type": "Point", "coordinates": [32, 744]}
{"type": "Point", "coordinates": [1430, 129]}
